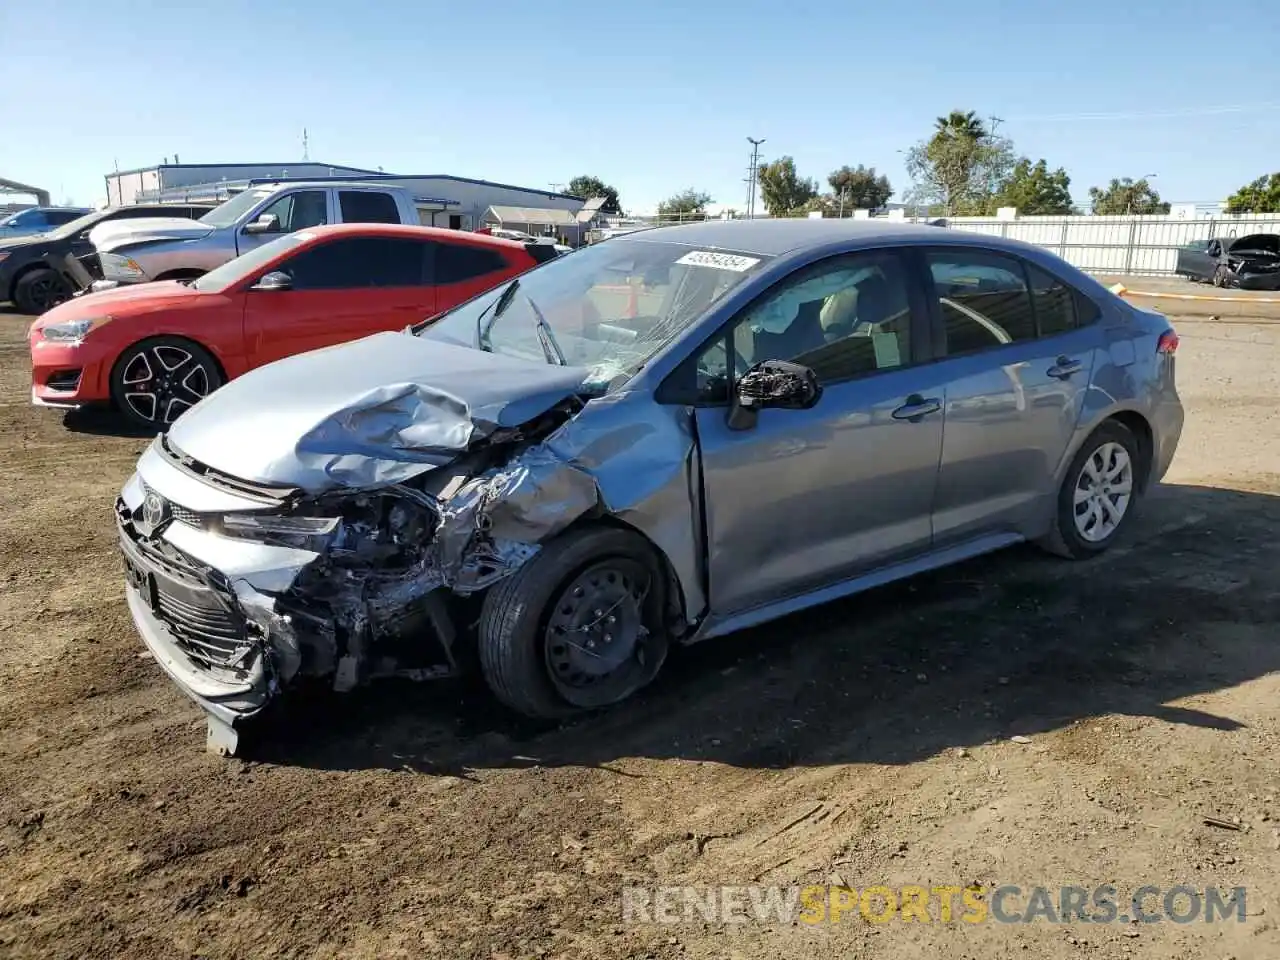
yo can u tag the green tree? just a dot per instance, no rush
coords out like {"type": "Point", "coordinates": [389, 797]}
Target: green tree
{"type": "Point", "coordinates": [961, 166]}
{"type": "Point", "coordinates": [688, 204]}
{"type": "Point", "coordinates": [859, 187]}
{"type": "Point", "coordinates": [1126, 196]}
{"type": "Point", "coordinates": [1260, 196]}
{"type": "Point", "coordinates": [783, 191]}
{"type": "Point", "coordinates": [1034, 190]}
{"type": "Point", "coordinates": [591, 187]}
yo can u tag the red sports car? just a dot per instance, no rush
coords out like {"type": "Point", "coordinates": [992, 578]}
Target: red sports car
{"type": "Point", "coordinates": [156, 349]}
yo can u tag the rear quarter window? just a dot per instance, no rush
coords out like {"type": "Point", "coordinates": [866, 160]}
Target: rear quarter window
{"type": "Point", "coordinates": [368, 206]}
{"type": "Point", "coordinates": [459, 262]}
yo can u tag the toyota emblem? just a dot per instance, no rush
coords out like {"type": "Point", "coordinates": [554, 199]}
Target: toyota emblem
{"type": "Point", "coordinates": [155, 511]}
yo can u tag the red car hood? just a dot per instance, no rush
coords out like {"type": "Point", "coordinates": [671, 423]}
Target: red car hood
{"type": "Point", "coordinates": [120, 301]}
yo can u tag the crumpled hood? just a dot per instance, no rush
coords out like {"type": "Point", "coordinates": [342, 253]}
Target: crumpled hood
{"type": "Point", "coordinates": [110, 234]}
{"type": "Point", "coordinates": [367, 413]}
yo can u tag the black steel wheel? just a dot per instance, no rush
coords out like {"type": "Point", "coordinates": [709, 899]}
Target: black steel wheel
{"type": "Point", "coordinates": [39, 291]}
{"type": "Point", "coordinates": [155, 381]}
{"type": "Point", "coordinates": [576, 628]}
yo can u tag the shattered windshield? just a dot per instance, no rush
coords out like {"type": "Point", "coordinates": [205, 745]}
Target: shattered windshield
{"type": "Point", "coordinates": [608, 307]}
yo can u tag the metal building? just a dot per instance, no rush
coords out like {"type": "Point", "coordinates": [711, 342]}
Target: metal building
{"type": "Point", "coordinates": [465, 199]}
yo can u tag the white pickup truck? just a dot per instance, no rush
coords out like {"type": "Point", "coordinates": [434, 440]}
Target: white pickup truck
{"type": "Point", "coordinates": [136, 251]}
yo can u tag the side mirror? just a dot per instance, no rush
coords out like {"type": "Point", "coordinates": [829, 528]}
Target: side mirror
{"type": "Point", "coordinates": [275, 280]}
{"type": "Point", "coordinates": [267, 223]}
{"type": "Point", "coordinates": [772, 383]}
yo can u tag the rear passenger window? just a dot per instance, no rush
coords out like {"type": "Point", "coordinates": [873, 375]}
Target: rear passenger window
{"type": "Point", "coordinates": [983, 298]}
{"type": "Point", "coordinates": [459, 262]}
{"type": "Point", "coordinates": [366, 206]}
{"type": "Point", "coordinates": [1055, 302]}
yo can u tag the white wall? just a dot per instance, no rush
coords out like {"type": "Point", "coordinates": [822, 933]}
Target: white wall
{"type": "Point", "coordinates": [1118, 244]}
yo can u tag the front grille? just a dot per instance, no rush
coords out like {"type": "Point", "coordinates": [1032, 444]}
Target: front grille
{"type": "Point", "coordinates": [179, 513]}
{"type": "Point", "coordinates": [209, 634]}
{"type": "Point", "coordinates": [201, 619]}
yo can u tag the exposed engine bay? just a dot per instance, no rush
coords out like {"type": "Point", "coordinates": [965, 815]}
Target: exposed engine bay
{"type": "Point", "coordinates": [394, 566]}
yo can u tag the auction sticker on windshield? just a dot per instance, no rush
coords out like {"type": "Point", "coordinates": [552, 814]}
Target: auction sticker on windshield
{"type": "Point", "coordinates": [721, 261]}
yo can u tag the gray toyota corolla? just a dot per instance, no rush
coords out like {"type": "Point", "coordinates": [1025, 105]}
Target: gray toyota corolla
{"type": "Point", "coordinates": [662, 438]}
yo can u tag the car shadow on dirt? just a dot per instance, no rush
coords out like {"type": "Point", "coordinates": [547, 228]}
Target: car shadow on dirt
{"type": "Point", "coordinates": [1014, 643]}
{"type": "Point", "coordinates": [103, 421]}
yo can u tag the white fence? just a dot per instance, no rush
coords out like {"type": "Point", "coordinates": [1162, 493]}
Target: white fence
{"type": "Point", "coordinates": [1144, 245]}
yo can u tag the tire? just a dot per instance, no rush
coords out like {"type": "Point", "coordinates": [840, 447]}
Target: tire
{"type": "Point", "coordinates": [175, 372]}
{"type": "Point", "coordinates": [1220, 276]}
{"type": "Point", "coordinates": [39, 291]}
{"type": "Point", "coordinates": [1097, 528]}
{"type": "Point", "coordinates": [525, 615]}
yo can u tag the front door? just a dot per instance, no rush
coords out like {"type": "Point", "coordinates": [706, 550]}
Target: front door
{"type": "Point", "coordinates": [341, 289]}
{"type": "Point", "coordinates": [806, 498]}
{"type": "Point", "coordinates": [295, 210]}
{"type": "Point", "coordinates": [1020, 353]}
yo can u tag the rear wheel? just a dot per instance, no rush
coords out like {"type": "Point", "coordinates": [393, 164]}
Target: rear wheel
{"type": "Point", "coordinates": [1099, 493]}
{"type": "Point", "coordinates": [39, 291]}
{"type": "Point", "coordinates": [576, 628]}
{"type": "Point", "coordinates": [155, 381]}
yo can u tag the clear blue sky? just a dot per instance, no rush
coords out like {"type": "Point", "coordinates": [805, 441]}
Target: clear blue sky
{"type": "Point", "coordinates": [650, 95]}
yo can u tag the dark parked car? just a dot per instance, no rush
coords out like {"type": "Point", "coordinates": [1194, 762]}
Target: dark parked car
{"type": "Point", "coordinates": [1250, 262]}
{"type": "Point", "coordinates": [29, 266]}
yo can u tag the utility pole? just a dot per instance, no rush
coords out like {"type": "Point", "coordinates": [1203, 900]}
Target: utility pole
{"type": "Point", "coordinates": [306, 144]}
{"type": "Point", "coordinates": [752, 171]}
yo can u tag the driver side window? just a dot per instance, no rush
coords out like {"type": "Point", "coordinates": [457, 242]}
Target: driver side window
{"type": "Point", "coordinates": [845, 317]}
{"type": "Point", "coordinates": [297, 211]}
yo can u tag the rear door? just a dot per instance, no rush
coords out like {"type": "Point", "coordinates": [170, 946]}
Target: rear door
{"type": "Point", "coordinates": [343, 289]}
{"type": "Point", "coordinates": [1018, 354]}
{"type": "Point", "coordinates": [463, 270]}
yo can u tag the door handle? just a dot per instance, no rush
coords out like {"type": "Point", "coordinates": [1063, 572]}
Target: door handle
{"type": "Point", "coordinates": [1064, 367]}
{"type": "Point", "coordinates": [917, 408]}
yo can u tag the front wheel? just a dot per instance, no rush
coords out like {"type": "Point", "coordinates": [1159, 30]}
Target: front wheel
{"type": "Point", "coordinates": [1099, 493]}
{"type": "Point", "coordinates": [39, 291]}
{"type": "Point", "coordinates": [157, 380]}
{"type": "Point", "coordinates": [578, 627]}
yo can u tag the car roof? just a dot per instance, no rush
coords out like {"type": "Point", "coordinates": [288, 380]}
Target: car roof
{"type": "Point", "coordinates": [408, 230]}
{"type": "Point", "coordinates": [775, 237]}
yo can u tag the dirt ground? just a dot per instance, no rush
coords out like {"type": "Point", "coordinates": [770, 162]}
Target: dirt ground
{"type": "Point", "coordinates": [868, 742]}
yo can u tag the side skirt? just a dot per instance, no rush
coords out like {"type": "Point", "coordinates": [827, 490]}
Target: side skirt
{"type": "Point", "coordinates": [717, 627]}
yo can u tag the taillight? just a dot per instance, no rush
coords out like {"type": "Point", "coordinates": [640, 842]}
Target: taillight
{"type": "Point", "coordinates": [1168, 343]}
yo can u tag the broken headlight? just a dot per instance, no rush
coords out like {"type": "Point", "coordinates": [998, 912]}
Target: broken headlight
{"type": "Point", "coordinates": [301, 532]}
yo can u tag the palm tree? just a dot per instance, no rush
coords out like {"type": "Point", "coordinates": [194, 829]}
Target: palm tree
{"type": "Point", "coordinates": [961, 124]}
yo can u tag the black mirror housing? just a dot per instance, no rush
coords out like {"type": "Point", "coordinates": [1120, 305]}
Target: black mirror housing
{"type": "Point", "coordinates": [773, 383]}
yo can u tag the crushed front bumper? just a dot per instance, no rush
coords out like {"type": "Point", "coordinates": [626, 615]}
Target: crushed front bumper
{"type": "Point", "coordinates": [182, 621]}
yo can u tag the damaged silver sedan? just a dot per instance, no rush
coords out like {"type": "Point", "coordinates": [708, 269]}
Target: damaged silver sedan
{"type": "Point", "coordinates": [662, 438]}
